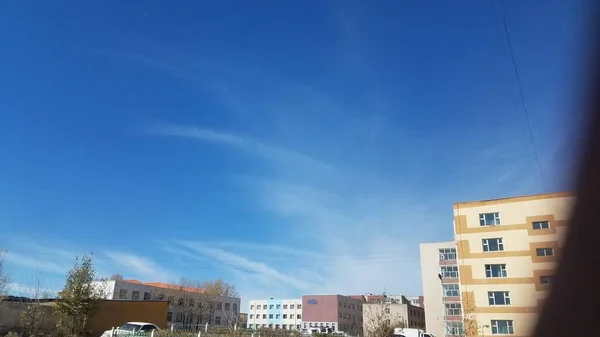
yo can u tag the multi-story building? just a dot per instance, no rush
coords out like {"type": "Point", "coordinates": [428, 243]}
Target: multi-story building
{"type": "Point", "coordinates": [187, 307]}
{"type": "Point", "coordinates": [493, 278]}
{"type": "Point", "coordinates": [396, 309]}
{"type": "Point", "coordinates": [441, 289]}
{"type": "Point", "coordinates": [273, 313]}
{"type": "Point", "coordinates": [507, 252]}
{"type": "Point", "coordinates": [340, 313]}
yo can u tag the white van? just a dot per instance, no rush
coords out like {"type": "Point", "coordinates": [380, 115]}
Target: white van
{"type": "Point", "coordinates": [408, 332]}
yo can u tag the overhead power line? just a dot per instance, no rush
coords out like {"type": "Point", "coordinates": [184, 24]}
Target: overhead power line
{"type": "Point", "coordinates": [521, 94]}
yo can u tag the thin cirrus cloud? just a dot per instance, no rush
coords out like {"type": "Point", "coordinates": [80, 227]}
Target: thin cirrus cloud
{"type": "Point", "coordinates": [138, 266]}
{"type": "Point", "coordinates": [241, 264]}
{"type": "Point", "coordinates": [243, 143]}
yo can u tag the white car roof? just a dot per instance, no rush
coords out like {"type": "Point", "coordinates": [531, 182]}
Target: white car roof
{"type": "Point", "coordinates": [140, 323]}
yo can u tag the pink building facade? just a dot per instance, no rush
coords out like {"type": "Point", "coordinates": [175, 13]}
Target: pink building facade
{"type": "Point", "coordinates": [341, 313]}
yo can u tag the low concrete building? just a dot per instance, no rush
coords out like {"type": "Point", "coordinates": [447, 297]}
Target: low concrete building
{"type": "Point", "coordinates": [188, 308]}
{"type": "Point", "coordinates": [275, 313]}
{"type": "Point", "coordinates": [397, 309]}
{"type": "Point", "coordinates": [341, 313]}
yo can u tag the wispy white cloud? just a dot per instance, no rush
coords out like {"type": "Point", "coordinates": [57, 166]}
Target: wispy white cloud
{"type": "Point", "coordinates": [44, 263]}
{"type": "Point", "coordinates": [138, 266]}
{"type": "Point", "coordinates": [259, 270]}
{"type": "Point", "coordinates": [244, 143]}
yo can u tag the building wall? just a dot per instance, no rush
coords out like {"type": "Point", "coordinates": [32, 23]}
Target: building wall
{"type": "Point", "coordinates": [412, 316]}
{"type": "Point", "coordinates": [109, 314]}
{"type": "Point", "coordinates": [433, 301]}
{"type": "Point", "coordinates": [135, 290]}
{"type": "Point", "coordinates": [524, 268]}
{"type": "Point", "coordinates": [275, 314]}
{"type": "Point", "coordinates": [342, 313]}
{"type": "Point", "coordinates": [116, 313]}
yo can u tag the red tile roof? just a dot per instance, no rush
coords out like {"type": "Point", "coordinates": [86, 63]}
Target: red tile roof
{"type": "Point", "coordinates": [166, 286]}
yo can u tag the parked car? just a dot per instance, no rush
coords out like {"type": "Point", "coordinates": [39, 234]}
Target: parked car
{"type": "Point", "coordinates": [131, 328]}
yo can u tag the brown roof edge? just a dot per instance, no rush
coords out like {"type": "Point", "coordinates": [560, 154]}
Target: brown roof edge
{"type": "Point", "coordinates": [513, 199]}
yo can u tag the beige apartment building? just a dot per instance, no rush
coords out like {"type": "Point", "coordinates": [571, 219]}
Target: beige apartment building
{"type": "Point", "coordinates": [507, 251]}
{"type": "Point", "coordinates": [395, 308]}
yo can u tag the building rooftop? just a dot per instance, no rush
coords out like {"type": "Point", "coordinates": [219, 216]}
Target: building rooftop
{"type": "Point", "coordinates": [487, 202]}
{"type": "Point", "coordinates": [167, 286]}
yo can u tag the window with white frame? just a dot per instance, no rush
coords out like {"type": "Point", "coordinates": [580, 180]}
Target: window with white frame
{"type": "Point", "coordinates": [285, 306]}
{"type": "Point", "coordinates": [264, 307]}
{"type": "Point", "coordinates": [502, 327]}
{"type": "Point", "coordinates": [447, 254]}
{"type": "Point", "coordinates": [455, 328]}
{"type": "Point", "coordinates": [489, 219]}
{"type": "Point", "coordinates": [493, 245]}
{"type": "Point", "coordinates": [544, 251]}
{"type": "Point", "coordinates": [450, 290]}
{"type": "Point", "coordinates": [499, 297]}
{"type": "Point", "coordinates": [495, 270]}
{"type": "Point", "coordinates": [449, 272]}
{"type": "Point", "coordinates": [541, 224]}
{"type": "Point", "coordinates": [291, 306]}
{"type": "Point", "coordinates": [453, 309]}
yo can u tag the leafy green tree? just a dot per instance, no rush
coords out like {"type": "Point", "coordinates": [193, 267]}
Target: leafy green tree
{"type": "Point", "coordinates": [77, 302]}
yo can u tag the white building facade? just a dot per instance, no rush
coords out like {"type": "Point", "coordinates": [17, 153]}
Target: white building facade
{"type": "Point", "coordinates": [285, 314]}
{"type": "Point", "coordinates": [225, 311]}
{"type": "Point", "coordinates": [441, 295]}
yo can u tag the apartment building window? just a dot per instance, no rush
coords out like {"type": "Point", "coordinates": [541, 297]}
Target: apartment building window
{"type": "Point", "coordinates": [227, 306]}
{"type": "Point", "coordinates": [448, 254]}
{"type": "Point", "coordinates": [299, 316]}
{"type": "Point", "coordinates": [235, 307]}
{"type": "Point", "coordinates": [250, 316]}
{"type": "Point", "coordinates": [285, 306]}
{"type": "Point", "coordinates": [147, 296]}
{"type": "Point", "coordinates": [493, 245]}
{"type": "Point", "coordinates": [450, 272]}
{"type": "Point", "coordinates": [544, 251]}
{"type": "Point", "coordinates": [450, 290]}
{"type": "Point", "coordinates": [276, 326]}
{"type": "Point", "coordinates": [340, 315]}
{"type": "Point", "coordinates": [251, 306]}
{"type": "Point", "coordinates": [502, 327]}
{"type": "Point", "coordinates": [169, 316]}
{"type": "Point", "coordinates": [495, 270]}
{"type": "Point", "coordinates": [220, 306]}
{"type": "Point", "coordinates": [179, 317]}
{"type": "Point", "coordinates": [453, 309]}
{"type": "Point", "coordinates": [271, 306]}
{"type": "Point", "coordinates": [541, 224]}
{"type": "Point", "coordinates": [264, 307]}
{"type": "Point", "coordinates": [499, 297]}
{"type": "Point", "coordinates": [277, 316]}
{"type": "Point", "coordinates": [547, 279]}
{"type": "Point", "coordinates": [135, 295]}
{"type": "Point", "coordinates": [284, 326]}
{"type": "Point", "coordinates": [218, 320]}
{"type": "Point", "coordinates": [122, 294]}
{"type": "Point", "coordinates": [305, 326]}
{"type": "Point", "coordinates": [264, 316]}
{"type": "Point", "coordinates": [455, 328]}
{"type": "Point", "coordinates": [299, 306]}
{"type": "Point", "coordinates": [284, 316]}
{"type": "Point", "coordinates": [298, 326]}
{"type": "Point", "coordinates": [270, 316]}
{"type": "Point", "coordinates": [489, 219]}
{"type": "Point", "coordinates": [291, 306]}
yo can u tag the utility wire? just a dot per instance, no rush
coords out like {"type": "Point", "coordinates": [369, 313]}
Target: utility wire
{"type": "Point", "coordinates": [522, 96]}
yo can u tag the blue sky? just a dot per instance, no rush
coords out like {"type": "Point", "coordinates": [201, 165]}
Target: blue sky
{"type": "Point", "coordinates": [287, 147]}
